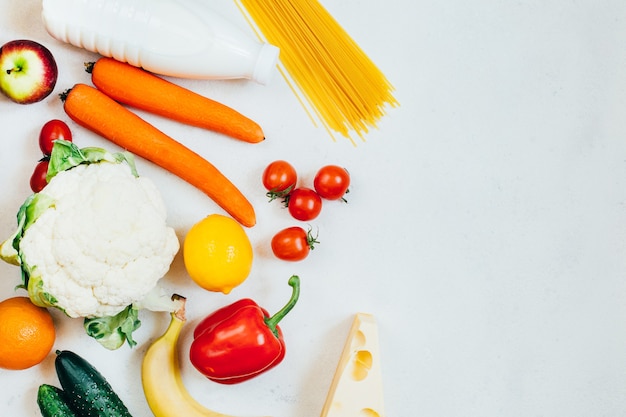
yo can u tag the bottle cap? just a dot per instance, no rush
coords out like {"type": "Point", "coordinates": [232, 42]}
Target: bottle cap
{"type": "Point", "coordinates": [265, 63]}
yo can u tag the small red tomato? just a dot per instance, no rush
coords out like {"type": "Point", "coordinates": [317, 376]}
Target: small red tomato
{"type": "Point", "coordinates": [331, 182]}
{"type": "Point", "coordinates": [279, 179]}
{"type": "Point", "coordinates": [38, 179]}
{"type": "Point", "coordinates": [51, 131]}
{"type": "Point", "coordinates": [293, 244]}
{"type": "Point", "coordinates": [304, 204]}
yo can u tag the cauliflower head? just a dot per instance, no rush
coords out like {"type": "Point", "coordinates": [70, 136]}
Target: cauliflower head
{"type": "Point", "coordinates": [94, 242]}
{"type": "Point", "coordinates": [104, 242]}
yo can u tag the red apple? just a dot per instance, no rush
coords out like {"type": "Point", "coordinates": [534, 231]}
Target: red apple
{"type": "Point", "coordinates": [28, 71]}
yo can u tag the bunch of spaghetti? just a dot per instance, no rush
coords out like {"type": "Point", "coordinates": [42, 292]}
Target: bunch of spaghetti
{"type": "Point", "coordinates": [344, 87]}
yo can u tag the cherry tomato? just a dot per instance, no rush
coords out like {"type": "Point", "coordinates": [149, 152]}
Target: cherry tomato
{"type": "Point", "coordinates": [293, 244]}
{"type": "Point", "coordinates": [331, 182]}
{"type": "Point", "coordinates": [304, 204]}
{"type": "Point", "coordinates": [51, 131]}
{"type": "Point", "coordinates": [279, 178]}
{"type": "Point", "coordinates": [38, 179]}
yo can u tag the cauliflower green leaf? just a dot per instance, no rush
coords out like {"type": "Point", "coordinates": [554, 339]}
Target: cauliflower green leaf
{"type": "Point", "coordinates": [28, 212]}
{"type": "Point", "coordinates": [66, 155]}
{"type": "Point", "coordinates": [112, 331]}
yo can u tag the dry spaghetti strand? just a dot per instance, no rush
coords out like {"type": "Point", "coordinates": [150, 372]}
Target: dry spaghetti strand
{"type": "Point", "coordinates": [346, 89]}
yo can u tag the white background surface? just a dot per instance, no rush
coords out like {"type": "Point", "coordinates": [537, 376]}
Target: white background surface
{"type": "Point", "coordinates": [485, 228]}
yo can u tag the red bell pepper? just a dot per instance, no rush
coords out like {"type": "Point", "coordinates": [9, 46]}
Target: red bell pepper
{"type": "Point", "coordinates": [240, 341]}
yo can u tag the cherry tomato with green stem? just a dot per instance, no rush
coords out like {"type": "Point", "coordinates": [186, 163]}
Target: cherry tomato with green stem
{"type": "Point", "coordinates": [331, 182]}
{"type": "Point", "coordinates": [53, 130]}
{"type": "Point", "coordinates": [304, 204]}
{"type": "Point", "coordinates": [279, 179]}
{"type": "Point", "coordinates": [293, 244]}
{"type": "Point", "coordinates": [38, 178]}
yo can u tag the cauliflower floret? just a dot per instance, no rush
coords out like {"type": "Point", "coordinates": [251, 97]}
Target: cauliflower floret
{"type": "Point", "coordinates": [104, 242]}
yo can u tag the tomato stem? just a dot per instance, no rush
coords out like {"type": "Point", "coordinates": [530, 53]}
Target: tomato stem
{"type": "Point", "coordinates": [310, 240]}
{"type": "Point", "coordinates": [275, 193]}
{"type": "Point", "coordinates": [343, 198]}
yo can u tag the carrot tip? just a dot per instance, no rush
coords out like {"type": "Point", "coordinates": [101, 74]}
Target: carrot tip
{"type": "Point", "coordinates": [64, 94]}
{"type": "Point", "coordinates": [89, 67]}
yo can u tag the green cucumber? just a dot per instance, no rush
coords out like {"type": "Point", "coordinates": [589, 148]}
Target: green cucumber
{"type": "Point", "coordinates": [52, 402]}
{"type": "Point", "coordinates": [88, 392]}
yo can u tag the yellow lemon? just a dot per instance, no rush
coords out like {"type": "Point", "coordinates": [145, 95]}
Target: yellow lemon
{"type": "Point", "coordinates": [217, 253]}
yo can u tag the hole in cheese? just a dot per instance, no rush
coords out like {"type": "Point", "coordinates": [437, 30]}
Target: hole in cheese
{"type": "Point", "coordinates": [358, 340]}
{"type": "Point", "coordinates": [368, 412]}
{"type": "Point", "coordinates": [361, 364]}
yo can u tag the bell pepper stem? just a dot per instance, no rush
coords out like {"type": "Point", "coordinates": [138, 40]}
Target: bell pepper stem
{"type": "Point", "coordinates": [273, 321]}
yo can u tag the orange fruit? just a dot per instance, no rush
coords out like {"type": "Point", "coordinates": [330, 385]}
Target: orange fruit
{"type": "Point", "coordinates": [27, 333]}
{"type": "Point", "coordinates": [217, 253]}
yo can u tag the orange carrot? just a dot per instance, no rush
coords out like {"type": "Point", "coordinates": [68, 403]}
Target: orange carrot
{"type": "Point", "coordinates": [99, 113]}
{"type": "Point", "coordinates": [143, 90]}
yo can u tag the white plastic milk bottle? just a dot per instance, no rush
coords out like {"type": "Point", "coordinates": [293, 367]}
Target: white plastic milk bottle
{"type": "Point", "coordinates": [179, 38]}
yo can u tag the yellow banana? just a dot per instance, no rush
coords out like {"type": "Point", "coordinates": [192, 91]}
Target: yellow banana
{"type": "Point", "coordinates": [161, 379]}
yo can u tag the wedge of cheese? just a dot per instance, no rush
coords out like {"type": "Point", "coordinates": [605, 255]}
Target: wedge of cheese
{"type": "Point", "coordinates": [357, 387]}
